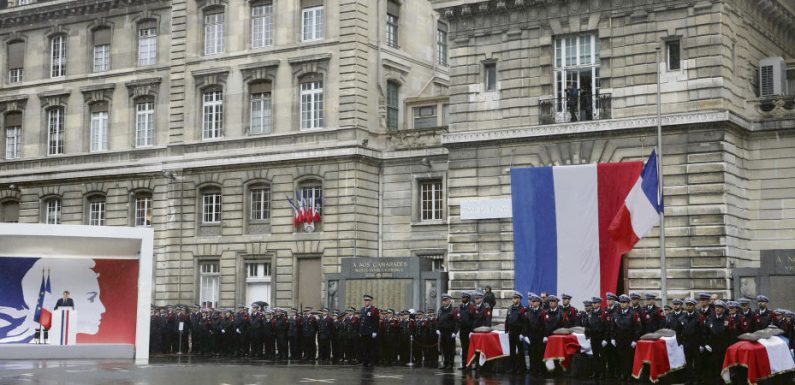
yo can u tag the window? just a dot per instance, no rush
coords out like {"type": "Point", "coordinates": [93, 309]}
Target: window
{"type": "Point", "coordinates": [55, 133]}
{"type": "Point", "coordinates": [258, 270]}
{"type": "Point", "coordinates": [214, 33]}
{"type": "Point", "coordinates": [441, 44]}
{"type": "Point", "coordinates": [261, 26]}
{"type": "Point", "coordinates": [437, 261]}
{"type": "Point", "coordinates": [312, 23]}
{"type": "Point", "coordinates": [96, 211]}
{"type": "Point", "coordinates": [490, 76]}
{"type": "Point", "coordinates": [673, 48]}
{"type": "Point", "coordinates": [261, 108]}
{"type": "Point", "coordinates": [144, 123]}
{"type": "Point", "coordinates": [16, 61]}
{"type": "Point", "coordinates": [213, 114]}
{"type": "Point", "coordinates": [258, 281]}
{"type": "Point", "coordinates": [577, 67]}
{"type": "Point", "coordinates": [260, 203]}
{"type": "Point", "coordinates": [101, 49]}
{"type": "Point", "coordinates": [24, 2]}
{"type": "Point", "coordinates": [312, 195]}
{"type": "Point", "coordinates": [147, 43]}
{"type": "Point", "coordinates": [211, 207]}
{"type": "Point", "coordinates": [13, 124]}
{"type": "Point", "coordinates": [425, 117]}
{"type": "Point", "coordinates": [392, 105]}
{"type": "Point", "coordinates": [58, 56]}
{"type": "Point", "coordinates": [9, 211]}
{"type": "Point", "coordinates": [143, 209]}
{"type": "Point", "coordinates": [52, 211]}
{"type": "Point", "coordinates": [209, 284]}
{"type": "Point", "coordinates": [445, 114]}
{"type": "Point", "coordinates": [431, 200]}
{"type": "Point", "coordinates": [99, 127]}
{"type": "Point", "coordinates": [312, 103]}
{"type": "Point", "coordinates": [392, 17]}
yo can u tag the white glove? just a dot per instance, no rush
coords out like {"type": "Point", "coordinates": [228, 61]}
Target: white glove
{"type": "Point", "coordinates": [237, 330]}
{"type": "Point", "coordinates": [613, 342]}
{"type": "Point", "coordinates": [223, 331]}
{"type": "Point", "coordinates": [792, 352]}
{"type": "Point", "coordinates": [438, 333]}
{"type": "Point", "coordinates": [455, 335]}
{"type": "Point", "coordinates": [375, 334]}
{"type": "Point", "coordinates": [604, 343]}
{"type": "Point", "coordinates": [521, 337]}
{"type": "Point", "coordinates": [633, 344]}
{"type": "Point", "coordinates": [526, 339]}
{"type": "Point", "coordinates": [709, 348]}
{"type": "Point", "coordinates": [701, 349]}
{"type": "Point", "coordinates": [546, 339]}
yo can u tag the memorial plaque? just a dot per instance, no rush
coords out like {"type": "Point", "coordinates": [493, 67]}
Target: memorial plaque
{"type": "Point", "coordinates": [387, 292]}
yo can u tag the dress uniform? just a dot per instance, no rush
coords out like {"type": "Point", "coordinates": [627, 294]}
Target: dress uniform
{"type": "Point", "coordinates": [352, 327]}
{"type": "Point", "coordinates": [626, 330]}
{"type": "Point", "coordinates": [672, 318]}
{"type": "Point", "coordinates": [325, 325]}
{"type": "Point", "coordinates": [554, 318]}
{"type": "Point", "coordinates": [309, 335]}
{"type": "Point", "coordinates": [391, 338]}
{"type": "Point", "coordinates": [634, 304]}
{"type": "Point", "coordinates": [154, 331]}
{"type": "Point", "coordinates": [269, 335]}
{"type": "Point", "coordinates": [464, 318]}
{"type": "Point", "coordinates": [294, 334]}
{"type": "Point", "coordinates": [281, 328]}
{"type": "Point", "coordinates": [257, 330]}
{"type": "Point", "coordinates": [763, 317]}
{"type": "Point", "coordinates": [689, 335]}
{"type": "Point", "coordinates": [447, 328]}
{"type": "Point", "coordinates": [195, 320]}
{"type": "Point", "coordinates": [482, 315]}
{"type": "Point", "coordinates": [419, 337]}
{"type": "Point", "coordinates": [336, 337]}
{"type": "Point", "coordinates": [183, 319]}
{"type": "Point", "coordinates": [430, 348]}
{"type": "Point", "coordinates": [368, 329]}
{"type": "Point", "coordinates": [610, 351]}
{"type": "Point", "coordinates": [582, 315]}
{"type": "Point", "coordinates": [171, 331]}
{"type": "Point", "coordinates": [570, 313]}
{"type": "Point", "coordinates": [534, 334]}
{"type": "Point", "coordinates": [653, 317]}
{"type": "Point", "coordinates": [229, 337]}
{"type": "Point", "coordinates": [516, 327]}
{"type": "Point", "coordinates": [718, 330]}
{"type": "Point", "coordinates": [597, 329]}
{"type": "Point", "coordinates": [741, 325]}
{"type": "Point", "coordinates": [705, 307]}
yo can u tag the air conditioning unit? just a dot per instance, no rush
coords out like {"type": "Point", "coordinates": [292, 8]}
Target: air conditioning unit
{"type": "Point", "coordinates": [772, 77]}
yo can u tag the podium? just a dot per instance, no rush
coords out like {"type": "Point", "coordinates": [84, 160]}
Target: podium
{"type": "Point", "coordinates": [64, 326]}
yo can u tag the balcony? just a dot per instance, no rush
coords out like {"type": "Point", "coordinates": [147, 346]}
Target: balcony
{"type": "Point", "coordinates": [586, 107]}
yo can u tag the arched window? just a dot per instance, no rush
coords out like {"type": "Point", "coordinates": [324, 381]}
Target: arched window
{"type": "Point", "coordinates": [142, 208]}
{"type": "Point", "coordinates": [51, 210]}
{"type": "Point", "coordinates": [261, 108]}
{"type": "Point", "coordinates": [95, 210]}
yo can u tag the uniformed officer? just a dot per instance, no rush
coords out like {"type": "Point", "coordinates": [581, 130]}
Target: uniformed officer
{"type": "Point", "coordinates": [718, 330]}
{"type": "Point", "coordinates": [626, 331]}
{"type": "Point", "coordinates": [704, 305]}
{"type": "Point", "coordinates": [672, 318]}
{"type": "Point", "coordinates": [368, 329]}
{"type": "Point", "coordinates": [309, 334]}
{"type": "Point", "coordinates": [257, 330]}
{"type": "Point", "coordinates": [171, 329]}
{"type": "Point", "coordinates": [464, 318]}
{"type": "Point", "coordinates": [741, 325]}
{"type": "Point", "coordinates": [195, 329]}
{"type": "Point", "coordinates": [689, 335]}
{"type": "Point", "coordinates": [229, 337]}
{"type": "Point", "coordinates": [747, 313]}
{"type": "Point", "coordinates": [281, 328]}
{"type": "Point", "coordinates": [294, 334]}
{"type": "Point", "coordinates": [582, 315]}
{"type": "Point", "coordinates": [763, 317]}
{"type": "Point", "coordinates": [482, 315]}
{"type": "Point", "coordinates": [269, 335]}
{"type": "Point", "coordinates": [634, 304]}
{"type": "Point", "coordinates": [597, 329]}
{"type": "Point", "coordinates": [430, 349]}
{"type": "Point", "coordinates": [554, 318]}
{"type": "Point", "coordinates": [336, 337]}
{"type": "Point", "coordinates": [515, 327]}
{"type": "Point", "coordinates": [653, 317]}
{"type": "Point", "coordinates": [325, 326]}
{"type": "Point", "coordinates": [534, 334]}
{"type": "Point", "coordinates": [570, 313]}
{"type": "Point", "coordinates": [391, 330]}
{"type": "Point", "coordinates": [352, 353]}
{"type": "Point", "coordinates": [406, 333]}
{"type": "Point", "coordinates": [447, 328]}
{"type": "Point", "coordinates": [183, 320]}
{"type": "Point", "coordinates": [154, 331]}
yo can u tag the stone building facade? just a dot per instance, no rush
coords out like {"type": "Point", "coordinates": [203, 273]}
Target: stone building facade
{"type": "Point", "coordinates": [728, 153]}
{"type": "Point", "coordinates": [200, 118]}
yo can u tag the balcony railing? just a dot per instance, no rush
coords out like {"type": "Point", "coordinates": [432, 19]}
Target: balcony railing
{"type": "Point", "coordinates": [584, 107]}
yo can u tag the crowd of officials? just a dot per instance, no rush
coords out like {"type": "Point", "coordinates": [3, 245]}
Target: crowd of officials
{"type": "Point", "coordinates": [371, 336]}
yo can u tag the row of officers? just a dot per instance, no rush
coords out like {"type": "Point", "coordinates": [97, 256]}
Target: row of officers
{"type": "Point", "coordinates": [705, 328]}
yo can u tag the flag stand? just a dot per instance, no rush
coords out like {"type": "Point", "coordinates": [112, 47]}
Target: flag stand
{"type": "Point", "coordinates": [663, 269]}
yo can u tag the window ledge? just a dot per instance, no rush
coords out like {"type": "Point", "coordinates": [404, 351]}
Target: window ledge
{"type": "Point", "coordinates": [438, 222]}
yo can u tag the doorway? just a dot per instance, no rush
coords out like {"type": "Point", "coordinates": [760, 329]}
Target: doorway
{"type": "Point", "coordinates": [309, 281]}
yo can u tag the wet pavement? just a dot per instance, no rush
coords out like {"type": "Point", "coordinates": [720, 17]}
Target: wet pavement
{"type": "Point", "coordinates": [198, 371]}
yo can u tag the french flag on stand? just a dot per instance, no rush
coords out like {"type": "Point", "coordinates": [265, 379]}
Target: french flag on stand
{"type": "Point", "coordinates": [561, 217]}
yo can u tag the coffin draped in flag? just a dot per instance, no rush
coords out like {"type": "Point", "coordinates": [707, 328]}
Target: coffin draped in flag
{"type": "Point", "coordinates": [664, 355]}
{"type": "Point", "coordinates": [561, 217]}
{"type": "Point", "coordinates": [764, 358]}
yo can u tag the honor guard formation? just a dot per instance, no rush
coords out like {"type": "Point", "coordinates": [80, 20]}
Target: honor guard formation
{"type": "Point", "coordinates": [705, 327]}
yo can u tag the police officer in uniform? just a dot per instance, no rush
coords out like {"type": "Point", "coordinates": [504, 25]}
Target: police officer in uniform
{"type": "Point", "coordinates": [482, 315]}
{"type": "Point", "coordinates": [325, 325]}
{"type": "Point", "coordinates": [672, 318]}
{"type": "Point", "coordinates": [446, 326]}
{"type": "Point", "coordinates": [515, 327]}
{"type": "Point", "coordinates": [653, 317]}
{"type": "Point", "coordinates": [582, 315]}
{"type": "Point", "coordinates": [747, 313]}
{"type": "Point", "coordinates": [368, 329]}
{"type": "Point", "coordinates": [464, 318]}
{"type": "Point", "coordinates": [242, 323]}
{"type": "Point", "coordinates": [570, 313]}
{"type": "Point", "coordinates": [294, 334]}
{"type": "Point", "coordinates": [705, 305]}
{"type": "Point", "coordinates": [626, 331]}
{"type": "Point", "coordinates": [269, 335]}
{"type": "Point", "coordinates": [597, 329]}
{"type": "Point", "coordinates": [763, 317]}
{"type": "Point", "coordinates": [718, 331]}
{"type": "Point", "coordinates": [689, 335]}
{"type": "Point", "coordinates": [610, 351]}
{"type": "Point", "coordinates": [309, 335]}
{"type": "Point", "coordinates": [534, 334]}
{"type": "Point", "coordinates": [281, 329]}
{"type": "Point", "coordinates": [352, 353]}
{"type": "Point", "coordinates": [257, 330]}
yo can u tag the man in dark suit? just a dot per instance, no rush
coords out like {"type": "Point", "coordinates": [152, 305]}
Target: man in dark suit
{"type": "Point", "coordinates": [65, 301]}
{"type": "Point", "coordinates": [368, 329]}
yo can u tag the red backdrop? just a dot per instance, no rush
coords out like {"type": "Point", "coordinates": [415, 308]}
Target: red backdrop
{"type": "Point", "coordinates": [118, 286]}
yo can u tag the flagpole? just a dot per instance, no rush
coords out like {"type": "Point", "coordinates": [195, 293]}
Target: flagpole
{"type": "Point", "coordinates": [663, 269]}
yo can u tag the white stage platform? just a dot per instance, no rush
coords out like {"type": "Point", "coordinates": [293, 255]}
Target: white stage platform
{"type": "Point", "coordinates": [72, 352]}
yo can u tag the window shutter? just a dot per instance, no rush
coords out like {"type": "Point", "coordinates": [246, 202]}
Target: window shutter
{"type": "Point", "coordinates": [16, 55]}
{"type": "Point", "coordinates": [260, 87]}
{"type": "Point", "coordinates": [98, 107]}
{"type": "Point", "coordinates": [393, 8]}
{"type": "Point", "coordinates": [13, 119]}
{"type": "Point", "coordinates": [102, 36]}
{"type": "Point", "coordinates": [311, 3]}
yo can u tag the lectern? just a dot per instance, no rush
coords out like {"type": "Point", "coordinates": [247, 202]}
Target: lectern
{"type": "Point", "coordinates": [64, 326]}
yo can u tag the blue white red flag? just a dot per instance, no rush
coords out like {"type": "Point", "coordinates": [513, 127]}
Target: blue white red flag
{"type": "Point", "coordinates": [641, 210]}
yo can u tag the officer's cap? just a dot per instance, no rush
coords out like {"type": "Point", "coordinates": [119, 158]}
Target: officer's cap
{"type": "Point", "coordinates": [478, 294]}
{"type": "Point", "coordinates": [732, 304]}
{"type": "Point", "coordinates": [744, 301]}
{"type": "Point", "coordinates": [419, 312]}
{"type": "Point", "coordinates": [254, 306]}
{"type": "Point", "coordinates": [466, 294]}
{"type": "Point", "coordinates": [587, 302]}
{"type": "Point", "coordinates": [624, 298]}
{"type": "Point", "coordinates": [703, 296]}
{"type": "Point", "coordinates": [324, 309]}
{"type": "Point", "coordinates": [517, 294]}
{"type": "Point", "coordinates": [447, 296]}
{"type": "Point", "coordinates": [611, 296]}
{"type": "Point", "coordinates": [430, 311]}
{"type": "Point", "coordinates": [762, 298]}
{"type": "Point", "coordinates": [552, 298]}
{"type": "Point", "coordinates": [565, 296]}
{"type": "Point", "coordinates": [690, 301]}
{"type": "Point", "coordinates": [667, 307]}
{"type": "Point", "coordinates": [307, 308]}
{"type": "Point", "coordinates": [533, 297]}
{"type": "Point", "coordinates": [650, 296]}
{"type": "Point", "coordinates": [677, 301]}
{"type": "Point", "coordinates": [241, 306]}
{"type": "Point", "coordinates": [720, 303]}
{"type": "Point", "coordinates": [634, 295]}
{"type": "Point", "coordinates": [596, 300]}
{"type": "Point", "coordinates": [352, 309]}
{"type": "Point", "coordinates": [367, 296]}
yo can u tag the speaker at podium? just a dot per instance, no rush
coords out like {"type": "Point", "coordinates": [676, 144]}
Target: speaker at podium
{"type": "Point", "coordinates": [64, 326]}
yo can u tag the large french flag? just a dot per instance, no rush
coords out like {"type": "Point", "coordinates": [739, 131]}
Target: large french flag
{"type": "Point", "coordinates": [641, 209]}
{"type": "Point", "coordinates": [561, 217]}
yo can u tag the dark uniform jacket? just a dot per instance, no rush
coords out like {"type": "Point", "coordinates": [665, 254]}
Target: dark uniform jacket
{"type": "Point", "coordinates": [597, 325]}
{"type": "Point", "coordinates": [516, 319]}
{"type": "Point", "coordinates": [368, 320]}
{"type": "Point", "coordinates": [570, 315]}
{"type": "Point", "coordinates": [626, 327]}
{"type": "Point", "coordinates": [535, 323]}
{"type": "Point", "coordinates": [482, 315]}
{"type": "Point", "coordinates": [689, 333]}
{"type": "Point", "coordinates": [653, 319]}
{"type": "Point", "coordinates": [446, 319]}
{"type": "Point", "coordinates": [718, 331]}
{"type": "Point", "coordinates": [465, 317]}
{"type": "Point", "coordinates": [763, 319]}
{"type": "Point", "coordinates": [553, 320]}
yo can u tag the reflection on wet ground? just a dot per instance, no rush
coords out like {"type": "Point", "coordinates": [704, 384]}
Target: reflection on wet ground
{"type": "Point", "coordinates": [195, 371]}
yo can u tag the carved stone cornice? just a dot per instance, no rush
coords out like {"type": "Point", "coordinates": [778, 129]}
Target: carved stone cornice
{"type": "Point", "coordinates": [309, 64]}
{"type": "Point", "coordinates": [49, 13]}
{"type": "Point", "coordinates": [142, 87]}
{"type": "Point", "coordinates": [97, 93]}
{"type": "Point", "coordinates": [259, 71]}
{"type": "Point", "coordinates": [54, 98]}
{"type": "Point", "coordinates": [595, 126]}
{"type": "Point", "coordinates": [212, 76]}
{"type": "Point", "coordinates": [13, 103]}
